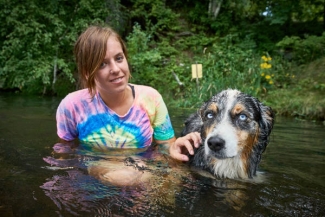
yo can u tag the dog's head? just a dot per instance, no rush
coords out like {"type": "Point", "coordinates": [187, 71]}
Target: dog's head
{"type": "Point", "coordinates": [235, 129]}
{"type": "Point", "coordinates": [233, 123]}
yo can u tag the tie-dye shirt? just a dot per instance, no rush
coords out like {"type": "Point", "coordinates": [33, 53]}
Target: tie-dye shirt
{"type": "Point", "coordinates": [96, 125]}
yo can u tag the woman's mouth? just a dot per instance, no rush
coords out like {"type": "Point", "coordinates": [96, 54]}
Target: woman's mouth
{"type": "Point", "coordinates": [116, 80]}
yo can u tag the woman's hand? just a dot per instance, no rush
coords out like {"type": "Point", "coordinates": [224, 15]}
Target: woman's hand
{"type": "Point", "coordinates": [184, 145]}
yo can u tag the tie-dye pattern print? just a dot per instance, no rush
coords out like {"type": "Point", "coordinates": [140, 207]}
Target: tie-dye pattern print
{"type": "Point", "coordinates": [97, 126]}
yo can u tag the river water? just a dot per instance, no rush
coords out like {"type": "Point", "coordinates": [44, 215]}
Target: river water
{"type": "Point", "coordinates": [33, 183]}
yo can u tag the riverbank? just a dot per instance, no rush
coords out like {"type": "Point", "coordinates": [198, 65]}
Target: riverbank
{"type": "Point", "coordinates": [304, 98]}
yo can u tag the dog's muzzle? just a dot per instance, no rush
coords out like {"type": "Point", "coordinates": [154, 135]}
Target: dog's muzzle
{"type": "Point", "coordinates": [215, 143]}
{"type": "Point", "coordinates": [216, 146]}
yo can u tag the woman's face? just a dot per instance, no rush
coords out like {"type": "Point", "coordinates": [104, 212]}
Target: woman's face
{"type": "Point", "coordinates": [113, 74]}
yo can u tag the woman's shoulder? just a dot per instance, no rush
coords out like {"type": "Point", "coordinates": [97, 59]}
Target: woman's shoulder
{"type": "Point", "coordinates": [147, 97]}
{"type": "Point", "coordinates": [145, 90]}
{"type": "Point", "coordinates": [77, 96]}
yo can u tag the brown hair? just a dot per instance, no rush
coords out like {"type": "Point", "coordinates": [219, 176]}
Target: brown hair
{"type": "Point", "coordinates": [90, 51]}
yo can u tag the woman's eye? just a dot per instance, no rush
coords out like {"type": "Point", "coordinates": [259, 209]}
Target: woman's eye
{"type": "Point", "coordinates": [242, 117]}
{"type": "Point", "coordinates": [119, 58]}
{"type": "Point", "coordinates": [209, 115]}
{"type": "Point", "coordinates": [102, 65]}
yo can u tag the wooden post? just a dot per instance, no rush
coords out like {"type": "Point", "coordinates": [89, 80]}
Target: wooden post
{"type": "Point", "coordinates": [197, 73]}
{"type": "Point", "coordinates": [197, 77]}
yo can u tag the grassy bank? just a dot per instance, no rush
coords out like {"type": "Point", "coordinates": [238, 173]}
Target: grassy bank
{"type": "Point", "coordinates": [290, 78]}
{"type": "Point", "coordinates": [301, 95]}
{"type": "Point", "coordinates": [305, 97]}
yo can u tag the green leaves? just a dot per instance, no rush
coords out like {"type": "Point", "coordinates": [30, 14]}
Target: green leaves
{"type": "Point", "coordinates": [302, 50]}
{"type": "Point", "coordinates": [144, 61]}
{"type": "Point", "coordinates": [36, 33]}
{"type": "Point", "coordinates": [37, 39]}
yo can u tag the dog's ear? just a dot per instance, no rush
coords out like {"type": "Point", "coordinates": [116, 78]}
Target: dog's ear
{"type": "Point", "coordinates": [201, 111]}
{"type": "Point", "coordinates": [267, 118]}
{"type": "Point", "coordinates": [266, 125]}
{"type": "Point", "coordinates": [192, 124]}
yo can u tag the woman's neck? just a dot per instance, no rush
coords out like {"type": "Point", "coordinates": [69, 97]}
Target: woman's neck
{"type": "Point", "coordinates": [121, 102]}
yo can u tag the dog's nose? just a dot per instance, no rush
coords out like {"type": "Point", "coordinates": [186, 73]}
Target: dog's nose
{"type": "Point", "coordinates": [215, 143]}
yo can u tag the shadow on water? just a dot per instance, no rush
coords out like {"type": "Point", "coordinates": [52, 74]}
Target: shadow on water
{"type": "Point", "coordinates": [33, 182]}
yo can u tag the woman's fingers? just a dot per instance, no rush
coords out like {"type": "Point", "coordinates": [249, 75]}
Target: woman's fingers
{"type": "Point", "coordinates": [180, 157]}
{"type": "Point", "coordinates": [195, 137]}
{"type": "Point", "coordinates": [185, 142]}
{"type": "Point", "coordinates": [188, 146]}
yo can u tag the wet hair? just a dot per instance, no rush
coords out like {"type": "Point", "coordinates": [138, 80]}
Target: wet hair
{"type": "Point", "coordinates": [90, 51]}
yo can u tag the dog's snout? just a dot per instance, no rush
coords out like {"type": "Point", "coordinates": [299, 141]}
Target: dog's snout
{"type": "Point", "coordinates": [215, 143]}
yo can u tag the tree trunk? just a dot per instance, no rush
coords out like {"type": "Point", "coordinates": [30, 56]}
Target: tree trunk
{"type": "Point", "coordinates": [324, 16]}
{"type": "Point", "coordinates": [214, 8]}
{"type": "Point", "coordinates": [55, 69]}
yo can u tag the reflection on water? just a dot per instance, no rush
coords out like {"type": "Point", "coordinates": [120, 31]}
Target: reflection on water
{"type": "Point", "coordinates": [95, 196]}
{"type": "Point", "coordinates": [33, 182]}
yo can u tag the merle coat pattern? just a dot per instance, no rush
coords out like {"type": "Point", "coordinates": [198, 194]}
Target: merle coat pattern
{"type": "Point", "coordinates": [235, 129]}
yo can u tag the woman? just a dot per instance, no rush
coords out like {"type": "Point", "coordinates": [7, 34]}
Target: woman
{"type": "Point", "coordinates": [110, 112]}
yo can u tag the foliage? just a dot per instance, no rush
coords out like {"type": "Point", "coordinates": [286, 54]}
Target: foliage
{"type": "Point", "coordinates": [144, 61]}
{"type": "Point", "coordinates": [224, 66]}
{"type": "Point", "coordinates": [303, 50]}
{"type": "Point", "coordinates": [37, 39]}
{"type": "Point", "coordinates": [164, 39]}
{"type": "Point", "coordinates": [293, 105]}
{"type": "Point", "coordinates": [154, 16]}
{"type": "Point", "coordinates": [303, 95]}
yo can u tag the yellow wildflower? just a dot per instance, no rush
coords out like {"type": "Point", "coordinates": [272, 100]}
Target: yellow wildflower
{"type": "Point", "coordinates": [265, 66]}
{"type": "Point", "coordinates": [267, 77]}
{"type": "Point", "coordinates": [270, 82]}
{"type": "Point", "coordinates": [264, 58]}
{"type": "Point", "coordinates": [262, 74]}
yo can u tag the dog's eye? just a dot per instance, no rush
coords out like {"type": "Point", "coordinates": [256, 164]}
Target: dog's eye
{"type": "Point", "coordinates": [242, 117]}
{"type": "Point", "coordinates": [209, 115]}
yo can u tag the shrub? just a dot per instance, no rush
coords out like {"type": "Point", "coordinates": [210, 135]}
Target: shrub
{"type": "Point", "coordinates": [302, 50]}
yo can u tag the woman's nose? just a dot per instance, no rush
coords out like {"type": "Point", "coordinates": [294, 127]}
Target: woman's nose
{"type": "Point", "coordinates": [114, 68]}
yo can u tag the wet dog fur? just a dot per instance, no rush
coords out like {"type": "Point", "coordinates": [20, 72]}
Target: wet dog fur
{"type": "Point", "coordinates": [235, 130]}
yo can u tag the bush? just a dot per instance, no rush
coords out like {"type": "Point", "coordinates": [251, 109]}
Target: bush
{"type": "Point", "coordinates": [302, 50]}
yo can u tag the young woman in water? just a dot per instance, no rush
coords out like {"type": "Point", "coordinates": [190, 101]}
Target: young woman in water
{"type": "Point", "coordinates": [110, 113]}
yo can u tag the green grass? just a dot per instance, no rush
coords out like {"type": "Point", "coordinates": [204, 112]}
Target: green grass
{"type": "Point", "coordinates": [301, 95]}
{"type": "Point", "coordinates": [304, 104]}
{"type": "Point", "coordinates": [305, 96]}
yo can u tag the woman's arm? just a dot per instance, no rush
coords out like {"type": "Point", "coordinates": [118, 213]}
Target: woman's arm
{"type": "Point", "coordinates": [64, 146]}
{"type": "Point", "coordinates": [180, 147]}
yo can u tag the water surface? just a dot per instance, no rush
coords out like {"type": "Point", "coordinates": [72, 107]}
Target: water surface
{"type": "Point", "coordinates": [293, 168]}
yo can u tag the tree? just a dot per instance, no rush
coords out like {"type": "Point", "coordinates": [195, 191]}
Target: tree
{"type": "Point", "coordinates": [37, 38]}
{"type": "Point", "coordinates": [214, 8]}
